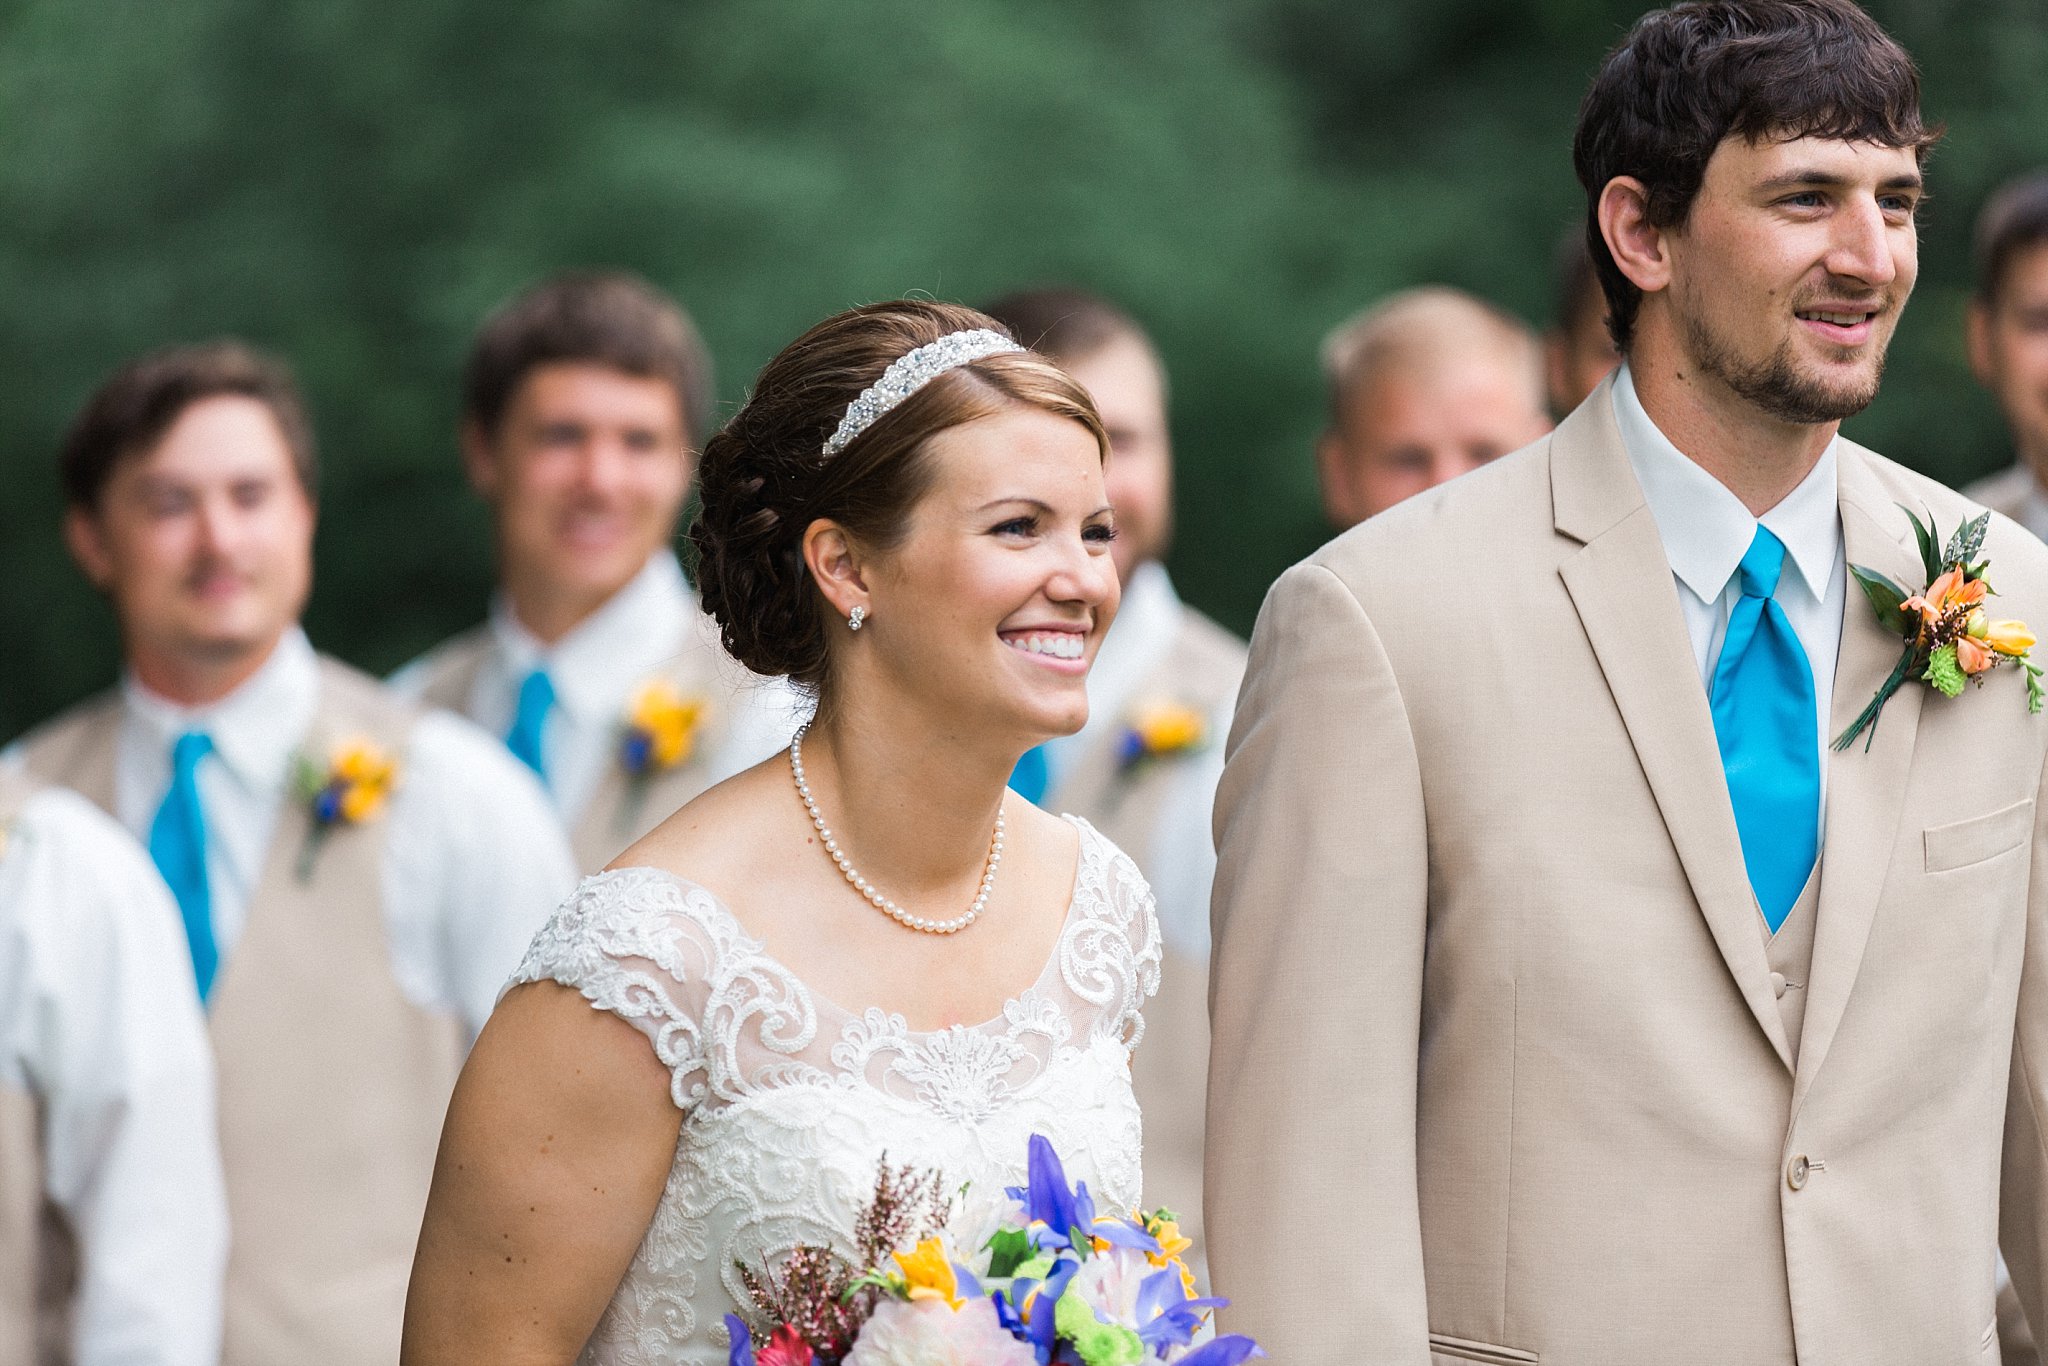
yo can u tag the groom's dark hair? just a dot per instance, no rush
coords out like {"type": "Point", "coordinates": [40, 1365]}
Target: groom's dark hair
{"type": "Point", "coordinates": [1687, 77]}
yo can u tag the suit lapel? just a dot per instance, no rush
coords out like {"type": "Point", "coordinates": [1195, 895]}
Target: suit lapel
{"type": "Point", "coordinates": [1866, 787]}
{"type": "Point", "coordinates": [1621, 584]}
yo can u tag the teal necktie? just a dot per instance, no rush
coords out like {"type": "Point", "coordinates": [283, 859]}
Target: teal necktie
{"type": "Point", "coordinates": [529, 724]}
{"type": "Point", "coordinates": [1764, 719]}
{"type": "Point", "coordinates": [1031, 776]}
{"type": "Point", "coordinates": [177, 841]}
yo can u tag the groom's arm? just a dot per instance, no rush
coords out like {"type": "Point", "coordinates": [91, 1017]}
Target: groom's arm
{"type": "Point", "coordinates": [2023, 1198]}
{"type": "Point", "coordinates": [1316, 993]}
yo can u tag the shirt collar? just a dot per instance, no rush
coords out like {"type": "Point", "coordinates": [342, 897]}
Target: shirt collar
{"type": "Point", "coordinates": [256, 728]}
{"type": "Point", "coordinates": [598, 664]}
{"type": "Point", "coordinates": [1705, 528]}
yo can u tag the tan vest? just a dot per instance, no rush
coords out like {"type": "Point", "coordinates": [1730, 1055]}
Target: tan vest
{"type": "Point", "coordinates": [332, 1084]}
{"type": "Point", "coordinates": [621, 808]}
{"type": "Point", "coordinates": [1170, 1068]}
{"type": "Point", "coordinates": [38, 1263]}
{"type": "Point", "coordinates": [1790, 953]}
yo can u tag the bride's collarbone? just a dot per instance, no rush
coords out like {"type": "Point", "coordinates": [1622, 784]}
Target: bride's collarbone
{"type": "Point", "coordinates": [811, 921]}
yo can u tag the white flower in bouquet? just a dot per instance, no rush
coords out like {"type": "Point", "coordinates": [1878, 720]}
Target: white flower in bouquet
{"type": "Point", "coordinates": [930, 1332]}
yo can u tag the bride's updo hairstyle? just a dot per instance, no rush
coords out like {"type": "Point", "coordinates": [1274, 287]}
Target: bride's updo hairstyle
{"type": "Point", "coordinates": [765, 477]}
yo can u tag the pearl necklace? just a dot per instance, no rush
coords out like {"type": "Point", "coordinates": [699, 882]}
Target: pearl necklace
{"type": "Point", "coordinates": [866, 888]}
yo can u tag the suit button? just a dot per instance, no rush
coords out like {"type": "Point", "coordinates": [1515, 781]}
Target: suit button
{"type": "Point", "coordinates": [1795, 1172]}
{"type": "Point", "coordinates": [1778, 984]}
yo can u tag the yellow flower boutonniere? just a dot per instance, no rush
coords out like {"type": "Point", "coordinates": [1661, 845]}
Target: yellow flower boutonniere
{"type": "Point", "coordinates": [351, 788]}
{"type": "Point", "coordinates": [659, 734]}
{"type": "Point", "coordinates": [1949, 638]}
{"type": "Point", "coordinates": [1161, 730]}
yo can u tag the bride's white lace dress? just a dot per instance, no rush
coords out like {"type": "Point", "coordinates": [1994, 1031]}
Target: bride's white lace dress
{"type": "Point", "coordinates": [790, 1102]}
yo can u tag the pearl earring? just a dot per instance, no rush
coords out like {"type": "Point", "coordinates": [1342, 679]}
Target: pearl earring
{"type": "Point", "coordinates": [855, 618]}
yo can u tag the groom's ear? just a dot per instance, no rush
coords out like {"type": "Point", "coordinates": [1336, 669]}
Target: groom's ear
{"type": "Point", "coordinates": [1640, 248]}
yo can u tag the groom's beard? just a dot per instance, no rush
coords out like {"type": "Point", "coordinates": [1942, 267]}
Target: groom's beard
{"type": "Point", "coordinates": [1775, 383]}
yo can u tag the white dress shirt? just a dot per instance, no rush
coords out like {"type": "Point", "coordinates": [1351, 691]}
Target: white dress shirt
{"type": "Point", "coordinates": [597, 668]}
{"type": "Point", "coordinates": [1706, 531]}
{"type": "Point", "coordinates": [474, 859]}
{"type": "Point", "coordinates": [100, 1021]}
{"type": "Point", "coordinates": [1181, 860]}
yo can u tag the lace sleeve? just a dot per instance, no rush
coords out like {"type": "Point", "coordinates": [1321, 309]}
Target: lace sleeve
{"type": "Point", "coordinates": [633, 943]}
{"type": "Point", "coordinates": [1114, 964]}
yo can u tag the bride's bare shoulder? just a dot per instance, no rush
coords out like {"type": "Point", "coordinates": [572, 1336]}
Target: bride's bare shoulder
{"type": "Point", "coordinates": [716, 838]}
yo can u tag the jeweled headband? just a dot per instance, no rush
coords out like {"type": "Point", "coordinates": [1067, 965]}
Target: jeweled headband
{"type": "Point", "coordinates": [910, 373]}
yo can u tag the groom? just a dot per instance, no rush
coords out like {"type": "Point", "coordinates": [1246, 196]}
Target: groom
{"type": "Point", "coordinates": [1574, 1003]}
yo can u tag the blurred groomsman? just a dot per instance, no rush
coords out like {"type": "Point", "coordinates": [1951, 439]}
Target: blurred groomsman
{"type": "Point", "coordinates": [584, 402]}
{"type": "Point", "coordinates": [2008, 335]}
{"type": "Point", "coordinates": [2008, 340]}
{"type": "Point", "coordinates": [347, 946]}
{"type": "Point", "coordinates": [113, 1227]}
{"type": "Point", "coordinates": [1424, 385]}
{"type": "Point", "coordinates": [1144, 768]}
{"type": "Point", "coordinates": [1578, 352]}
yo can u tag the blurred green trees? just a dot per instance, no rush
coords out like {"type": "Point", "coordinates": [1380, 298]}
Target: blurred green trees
{"type": "Point", "coordinates": [354, 185]}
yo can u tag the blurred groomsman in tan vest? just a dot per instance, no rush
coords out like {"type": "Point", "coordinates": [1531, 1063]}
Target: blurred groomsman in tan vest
{"type": "Point", "coordinates": [1144, 768]}
{"type": "Point", "coordinates": [356, 878]}
{"type": "Point", "coordinates": [584, 402]}
{"type": "Point", "coordinates": [113, 1226]}
{"type": "Point", "coordinates": [1578, 351]}
{"type": "Point", "coordinates": [1424, 385]}
{"type": "Point", "coordinates": [2008, 336]}
{"type": "Point", "coordinates": [2008, 339]}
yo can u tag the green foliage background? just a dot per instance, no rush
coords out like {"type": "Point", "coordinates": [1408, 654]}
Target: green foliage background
{"type": "Point", "coordinates": [355, 184]}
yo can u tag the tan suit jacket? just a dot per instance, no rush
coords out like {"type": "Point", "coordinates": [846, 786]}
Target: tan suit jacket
{"type": "Point", "coordinates": [1499, 1074]}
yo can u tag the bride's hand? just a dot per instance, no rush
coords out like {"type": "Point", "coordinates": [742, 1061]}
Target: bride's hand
{"type": "Point", "coordinates": [557, 1146]}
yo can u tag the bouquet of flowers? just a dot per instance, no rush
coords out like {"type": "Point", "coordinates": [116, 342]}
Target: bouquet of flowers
{"type": "Point", "coordinates": [1054, 1284]}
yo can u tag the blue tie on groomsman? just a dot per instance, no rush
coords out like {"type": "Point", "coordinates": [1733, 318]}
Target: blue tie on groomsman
{"type": "Point", "coordinates": [177, 841]}
{"type": "Point", "coordinates": [1032, 776]}
{"type": "Point", "coordinates": [1763, 706]}
{"type": "Point", "coordinates": [528, 736]}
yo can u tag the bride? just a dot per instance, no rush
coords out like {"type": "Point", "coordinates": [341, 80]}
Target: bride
{"type": "Point", "coordinates": [865, 946]}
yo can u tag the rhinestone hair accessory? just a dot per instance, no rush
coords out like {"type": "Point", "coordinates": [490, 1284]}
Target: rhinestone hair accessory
{"type": "Point", "coordinates": [910, 373]}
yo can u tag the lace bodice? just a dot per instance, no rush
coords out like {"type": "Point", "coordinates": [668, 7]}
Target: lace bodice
{"type": "Point", "coordinates": [790, 1102]}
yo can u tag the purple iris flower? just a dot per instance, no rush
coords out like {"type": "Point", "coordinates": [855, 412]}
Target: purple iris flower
{"type": "Point", "coordinates": [742, 1342]}
{"type": "Point", "coordinates": [1223, 1351]}
{"type": "Point", "coordinates": [1166, 1315]}
{"type": "Point", "coordinates": [637, 751]}
{"type": "Point", "coordinates": [327, 805]}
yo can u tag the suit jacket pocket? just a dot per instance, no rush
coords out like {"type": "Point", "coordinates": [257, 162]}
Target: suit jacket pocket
{"type": "Point", "coordinates": [1449, 1351]}
{"type": "Point", "coordinates": [1979, 838]}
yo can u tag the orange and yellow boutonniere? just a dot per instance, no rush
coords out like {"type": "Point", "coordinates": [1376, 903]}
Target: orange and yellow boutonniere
{"type": "Point", "coordinates": [1949, 637]}
{"type": "Point", "coordinates": [1160, 730]}
{"type": "Point", "coordinates": [352, 788]}
{"type": "Point", "coordinates": [659, 734]}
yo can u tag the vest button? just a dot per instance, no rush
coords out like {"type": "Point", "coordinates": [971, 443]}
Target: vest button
{"type": "Point", "coordinates": [1778, 984]}
{"type": "Point", "coordinates": [1796, 1171]}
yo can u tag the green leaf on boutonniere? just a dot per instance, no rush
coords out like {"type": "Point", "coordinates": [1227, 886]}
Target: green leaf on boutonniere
{"type": "Point", "coordinates": [1968, 540]}
{"type": "Point", "coordinates": [1930, 550]}
{"type": "Point", "coordinates": [1944, 673]}
{"type": "Point", "coordinates": [1885, 596]}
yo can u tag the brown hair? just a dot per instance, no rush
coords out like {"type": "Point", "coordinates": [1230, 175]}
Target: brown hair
{"type": "Point", "coordinates": [1687, 77]}
{"type": "Point", "coordinates": [764, 478]}
{"type": "Point", "coordinates": [602, 318]}
{"type": "Point", "coordinates": [1065, 323]}
{"type": "Point", "coordinates": [2015, 220]}
{"type": "Point", "coordinates": [129, 413]}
